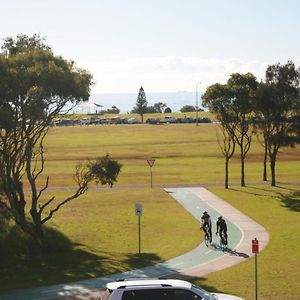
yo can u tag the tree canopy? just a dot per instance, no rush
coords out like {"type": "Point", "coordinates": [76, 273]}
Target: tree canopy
{"type": "Point", "coordinates": [232, 104]}
{"type": "Point", "coordinates": [187, 108]}
{"type": "Point", "coordinates": [272, 107]}
{"type": "Point", "coordinates": [277, 109]}
{"type": "Point", "coordinates": [36, 86]}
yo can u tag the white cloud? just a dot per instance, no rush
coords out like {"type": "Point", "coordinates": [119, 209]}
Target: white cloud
{"type": "Point", "coordinates": [166, 74]}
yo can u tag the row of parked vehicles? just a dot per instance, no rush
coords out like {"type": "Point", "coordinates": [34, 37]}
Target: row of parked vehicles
{"type": "Point", "coordinates": [95, 120]}
{"type": "Point", "coordinates": [170, 119]}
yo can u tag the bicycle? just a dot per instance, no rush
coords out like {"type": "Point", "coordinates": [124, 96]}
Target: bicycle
{"type": "Point", "coordinates": [223, 240]}
{"type": "Point", "coordinates": [207, 237]}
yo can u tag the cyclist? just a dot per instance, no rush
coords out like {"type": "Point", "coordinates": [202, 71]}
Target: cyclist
{"type": "Point", "coordinates": [206, 222]}
{"type": "Point", "coordinates": [222, 228]}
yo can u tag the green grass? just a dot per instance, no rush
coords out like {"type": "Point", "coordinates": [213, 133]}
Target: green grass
{"type": "Point", "coordinates": [182, 152]}
{"type": "Point", "coordinates": [277, 209]}
{"type": "Point", "coordinates": [97, 234]}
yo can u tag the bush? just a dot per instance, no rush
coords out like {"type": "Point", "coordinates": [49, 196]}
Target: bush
{"type": "Point", "coordinates": [187, 108]}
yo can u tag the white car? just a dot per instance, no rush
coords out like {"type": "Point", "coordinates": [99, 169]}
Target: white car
{"type": "Point", "coordinates": [133, 121]}
{"type": "Point", "coordinates": [159, 289]}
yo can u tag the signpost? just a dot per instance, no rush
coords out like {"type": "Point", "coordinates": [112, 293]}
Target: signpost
{"type": "Point", "coordinates": [139, 213]}
{"type": "Point", "coordinates": [151, 163]}
{"type": "Point", "coordinates": [255, 250]}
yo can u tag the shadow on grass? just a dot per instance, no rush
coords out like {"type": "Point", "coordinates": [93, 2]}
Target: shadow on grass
{"type": "Point", "coordinates": [142, 260]}
{"type": "Point", "coordinates": [23, 264]}
{"type": "Point", "coordinates": [258, 193]}
{"type": "Point", "coordinates": [291, 201]}
{"type": "Point", "coordinates": [65, 262]}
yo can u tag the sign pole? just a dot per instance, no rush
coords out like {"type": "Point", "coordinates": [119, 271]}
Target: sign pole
{"type": "Point", "coordinates": [139, 213]}
{"type": "Point", "coordinates": [139, 235]}
{"type": "Point", "coordinates": [255, 250]}
{"type": "Point", "coordinates": [151, 163]}
{"type": "Point", "coordinates": [256, 286]}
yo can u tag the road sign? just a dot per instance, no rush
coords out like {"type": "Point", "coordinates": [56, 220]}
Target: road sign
{"type": "Point", "coordinates": [255, 248]}
{"type": "Point", "coordinates": [151, 162]}
{"type": "Point", "coordinates": [138, 209]}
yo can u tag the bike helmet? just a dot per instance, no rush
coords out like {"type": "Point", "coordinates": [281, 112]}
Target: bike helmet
{"type": "Point", "coordinates": [205, 212]}
{"type": "Point", "coordinates": [220, 217]}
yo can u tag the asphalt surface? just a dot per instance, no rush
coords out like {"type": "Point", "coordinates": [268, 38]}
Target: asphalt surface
{"type": "Point", "coordinates": [198, 262]}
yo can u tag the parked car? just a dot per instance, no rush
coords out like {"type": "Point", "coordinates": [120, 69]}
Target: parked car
{"type": "Point", "coordinates": [168, 119]}
{"type": "Point", "coordinates": [153, 121]}
{"type": "Point", "coordinates": [159, 289]}
{"type": "Point", "coordinates": [133, 121]}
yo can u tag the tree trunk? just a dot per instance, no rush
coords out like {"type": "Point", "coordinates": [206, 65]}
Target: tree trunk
{"type": "Point", "coordinates": [272, 166]}
{"type": "Point", "coordinates": [226, 172]}
{"type": "Point", "coordinates": [265, 178]}
{"type": "Point", "coordinates": [242, 170]}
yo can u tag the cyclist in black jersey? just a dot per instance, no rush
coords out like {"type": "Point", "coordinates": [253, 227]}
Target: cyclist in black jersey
{"type": "Point", "coordinates": [222, 228]}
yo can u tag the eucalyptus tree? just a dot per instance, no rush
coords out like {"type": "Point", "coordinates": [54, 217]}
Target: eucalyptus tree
{"type": "Point", "coordinates": [36, 86]}
{"type": "Point", "coordinates": [262, 123]}
{"type": "Point", "coordinates": [278, 109]}
{"type": "Point", "coordinates": [217, 99]}
{"type": "Point", "coordinates": [232, 103]}
{"type": "Point", "coordinates": [159, 107]}
{"type": "Point", "coordinates": [243, 88]}
{"type": "Point", "coordinates": [227, 145]}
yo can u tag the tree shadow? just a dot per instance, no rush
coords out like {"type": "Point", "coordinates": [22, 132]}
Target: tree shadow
{"type": "Point", "coordinates": [141, 260]}
{"type": "Point", "coordinates": [23, 264]}
{"type": "Point", "coordinates": [291, 201]}
{"type": "Point", "coordinates": [67, 262]}
{"type": "Point", "coordinates": [252, 192]}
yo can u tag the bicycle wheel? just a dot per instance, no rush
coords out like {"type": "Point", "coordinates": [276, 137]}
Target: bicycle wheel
{"type": "Point", "coordinates": [223, 241]}
{"type": "Point", "coordinates": [206, 239]}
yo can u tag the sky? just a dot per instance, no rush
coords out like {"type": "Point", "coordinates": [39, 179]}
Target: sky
{"type": "Point", "coordinates": [163, 45]}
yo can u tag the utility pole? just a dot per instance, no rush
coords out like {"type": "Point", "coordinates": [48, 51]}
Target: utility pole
{"type": "Point", "coordinates": [197, 104]}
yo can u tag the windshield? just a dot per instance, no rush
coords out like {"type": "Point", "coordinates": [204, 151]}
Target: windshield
{"type": "Point", "coordinates": [203, 293]}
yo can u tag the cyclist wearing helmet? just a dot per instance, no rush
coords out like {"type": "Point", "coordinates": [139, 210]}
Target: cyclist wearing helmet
{"type": "Point", "coordinates": [206, 222]}
{"type": "Point", "coordinates": [222, 228]}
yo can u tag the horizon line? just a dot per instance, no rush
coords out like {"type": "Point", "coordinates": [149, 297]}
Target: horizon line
{"type": "Point", "coordinates": [180, 91]}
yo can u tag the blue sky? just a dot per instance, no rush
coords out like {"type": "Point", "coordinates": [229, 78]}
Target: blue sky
{"type": "Point", "coordinates": [164, 45]}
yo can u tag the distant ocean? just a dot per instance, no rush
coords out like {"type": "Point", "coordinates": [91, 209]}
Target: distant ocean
{"type": "Point", "coordinates": [126, 102]}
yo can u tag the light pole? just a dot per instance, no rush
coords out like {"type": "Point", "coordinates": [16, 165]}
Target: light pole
{"type": "Point", "coordinates": [197, 108]}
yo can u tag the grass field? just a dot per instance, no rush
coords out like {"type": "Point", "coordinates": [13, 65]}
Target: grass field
{"type": "Point", "coordinates": [98, 235]}
{"type": "Point", "coordinates": [277, 209]}
{"type": "Point", "coordinates": [182, 153]}
{"type": "Point", "coordinates": [106, 239]}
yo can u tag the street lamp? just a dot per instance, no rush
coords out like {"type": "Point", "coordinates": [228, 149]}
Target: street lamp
{"type": "Point", "coordinates": [197, 108]}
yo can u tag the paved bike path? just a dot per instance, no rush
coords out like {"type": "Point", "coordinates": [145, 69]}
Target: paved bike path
{"type": "Point", "coordinates": [198, 262]}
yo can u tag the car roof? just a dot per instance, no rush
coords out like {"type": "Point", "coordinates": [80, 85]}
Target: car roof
{"type": "Point", "coordinates": [148, 282]}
